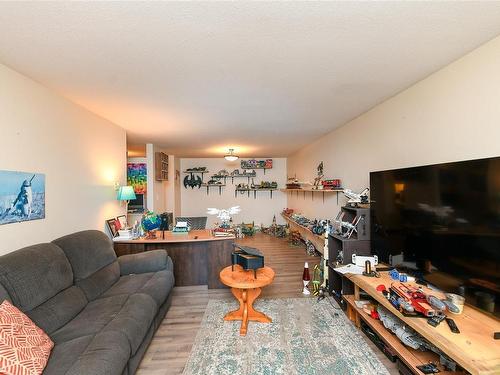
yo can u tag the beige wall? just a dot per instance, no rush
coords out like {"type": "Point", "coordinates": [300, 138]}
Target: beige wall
{"type": "Point", "coordinates": [452, 115]}
{"type": "Point", "coordinates": [177, 185]}
{"type": "Point", "coordinates": [194, 202]}
{"type": "Point", "coordinates": [81, 154]}
{"type": "Point", "coordinates": [161, 195]}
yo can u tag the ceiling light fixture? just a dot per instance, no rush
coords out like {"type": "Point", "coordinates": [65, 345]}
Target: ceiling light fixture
{"type": "Point", "coordinates": [231, 156]}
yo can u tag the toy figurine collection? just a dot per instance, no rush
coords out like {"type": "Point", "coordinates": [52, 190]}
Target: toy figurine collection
{"type": "Point", "coordinates": [194, 177]}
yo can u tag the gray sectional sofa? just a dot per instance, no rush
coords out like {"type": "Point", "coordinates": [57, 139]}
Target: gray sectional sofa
{"type": "Point", "coordinates": [101, 311]}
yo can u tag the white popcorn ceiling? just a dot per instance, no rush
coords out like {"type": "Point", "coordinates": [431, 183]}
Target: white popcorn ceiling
{"type": "Point", "coordinates": [266, 77]}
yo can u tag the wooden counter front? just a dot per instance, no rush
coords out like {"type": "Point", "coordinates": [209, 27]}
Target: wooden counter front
{"type": "Point", "coordinates": [198, 256]}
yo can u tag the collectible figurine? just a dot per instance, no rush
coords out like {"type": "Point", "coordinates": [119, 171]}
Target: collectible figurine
{"type": "Point", "coordinates": [224, 215]}
{"type": "Point", "coordinates": [317, 181]}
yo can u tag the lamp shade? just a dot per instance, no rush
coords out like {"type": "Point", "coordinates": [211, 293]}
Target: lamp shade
{"type": "Point", "coordinates": [126, 193]}
{"type": "Point", "coordinates": [231, 156]}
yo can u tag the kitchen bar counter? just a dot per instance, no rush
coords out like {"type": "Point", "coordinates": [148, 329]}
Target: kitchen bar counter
{"type": "Point", "coordinates": [198, 256]}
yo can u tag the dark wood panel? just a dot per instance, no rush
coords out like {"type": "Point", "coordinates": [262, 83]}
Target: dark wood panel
{"type": "Point", "coordinates": [190, 262]}
{"type": "Point", "coordinates": [126, 249]}
{"type": "Point", "coordinates": [218, 258]}
{"type": "Point", "coordinates": [195, 263]}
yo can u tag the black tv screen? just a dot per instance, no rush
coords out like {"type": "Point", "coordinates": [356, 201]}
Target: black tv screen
{"type": "Point", "coordinates": [137, 204]}
{"type": "Point", "coordinates": [442, 223]}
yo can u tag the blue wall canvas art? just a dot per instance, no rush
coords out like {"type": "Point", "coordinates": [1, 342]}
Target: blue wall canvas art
{"type": "Point", "coordinates": [22, 196]}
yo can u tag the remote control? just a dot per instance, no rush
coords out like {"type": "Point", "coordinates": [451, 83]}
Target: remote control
{"type": "Point", "coordinates": [452, 325]}
{"type": "Point", "coordinates": [436, 319]}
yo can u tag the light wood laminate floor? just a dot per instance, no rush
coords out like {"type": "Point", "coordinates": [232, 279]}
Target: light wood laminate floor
{"type": "Point", "coordinates": [172, 343]}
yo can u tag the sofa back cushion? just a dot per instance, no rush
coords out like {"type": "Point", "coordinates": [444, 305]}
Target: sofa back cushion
{"type": "Point", "coordinates": [58, 310]}
{"type": "Point", "coordinates": [93, 260]}
{"type": "Point", "coordinates": [4, 295]}
{"type": "Point", "coordinates": [35, 274]}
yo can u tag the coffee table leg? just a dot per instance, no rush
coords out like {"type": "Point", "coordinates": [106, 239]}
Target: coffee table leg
{"type": "Point", "coordinates": [253, 314]}
{"type": "Point", "coordinates": [236, 314]}
{"type": "Point", "coordinates": [246, 312]}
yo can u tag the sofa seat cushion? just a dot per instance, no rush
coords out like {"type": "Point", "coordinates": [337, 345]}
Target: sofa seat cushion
{"type": "Point", "coordinates": [65, 354]}
{"type": "Point", "coordinates": [106, 353]}
{"type": "Point", "coordinates": [155, 284]}
{"type": "Point", "coordinates": [131, 315]}
{"type": "Point", "coordinates": [92, 319]}
{"type": "Point", "coordinates": [134, 319]}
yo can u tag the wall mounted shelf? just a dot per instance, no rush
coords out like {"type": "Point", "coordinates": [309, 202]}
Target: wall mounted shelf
{"type": "Point", "coordinates": [208, 186]}
{"type": "Point", "coordinates": [242, 191]}
{"type": "Point", "coordinates": [264, 168]}
{"type": "Point", "coordinates": [312, 191]}
{"type": "Point", "coordinates": [189, 172]}
{"type": "Point", "coordinates": [248, 177]}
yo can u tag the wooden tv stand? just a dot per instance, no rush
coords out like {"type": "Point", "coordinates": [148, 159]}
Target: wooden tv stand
{"type": "Point", "coordinates": [474, 348]}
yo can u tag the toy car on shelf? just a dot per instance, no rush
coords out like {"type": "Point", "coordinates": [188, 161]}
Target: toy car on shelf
{"type": "Point", "coordinates": [410, 300]}
{"type": "Point", "coordinates": [331, 184]}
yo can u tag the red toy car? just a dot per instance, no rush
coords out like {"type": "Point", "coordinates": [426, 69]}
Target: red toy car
{"type": "Point", "coordinates": [331, 184]}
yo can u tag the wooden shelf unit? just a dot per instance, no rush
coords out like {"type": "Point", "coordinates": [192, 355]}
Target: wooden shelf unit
{"type": "Point", "coordinates": [317, 240]}
{"type": "Point", "coordinates": [474, 348]}
{"type": "Point", "coordinates": [161, 166]}
{"type": "Point", "coordinates": [340, 251]}
{"type": "Point", "coordinates": [312, 191]}
{"type": "Point", "coordinates": [409, 356]}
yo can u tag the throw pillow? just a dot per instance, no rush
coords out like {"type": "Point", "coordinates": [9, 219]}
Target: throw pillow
{"type": "Point", "coordinates": [24, 347]}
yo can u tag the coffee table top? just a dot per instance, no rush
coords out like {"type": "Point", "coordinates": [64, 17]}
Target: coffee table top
{"type": "Point", "coordinates": [239, 278]}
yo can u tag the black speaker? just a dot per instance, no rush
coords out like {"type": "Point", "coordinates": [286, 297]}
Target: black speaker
{"type": "Point", "coordinates": [164, 221]}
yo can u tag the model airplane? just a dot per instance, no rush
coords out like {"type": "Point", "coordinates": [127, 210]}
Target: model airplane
{"type": "Point", "coordinates": [354, 198]}
{"type": "Point", "coordinates": [294, 183]}
{"type": "Point", "coordinates": [224, 215]}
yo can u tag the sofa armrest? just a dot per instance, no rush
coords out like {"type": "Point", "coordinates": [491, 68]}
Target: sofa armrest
{"type": "Point", "coordinates": [148, 261]}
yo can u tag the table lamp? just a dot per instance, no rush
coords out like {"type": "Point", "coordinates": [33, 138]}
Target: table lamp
{"type": "Point", "coordinates": [126, 193]}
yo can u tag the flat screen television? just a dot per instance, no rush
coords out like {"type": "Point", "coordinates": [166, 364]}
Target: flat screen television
{"type": "Point", "coordinates": [442, 223]}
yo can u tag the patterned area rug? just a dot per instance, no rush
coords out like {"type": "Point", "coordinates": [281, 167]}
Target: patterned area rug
{"type": "Point", "coordinates": [305, 338]}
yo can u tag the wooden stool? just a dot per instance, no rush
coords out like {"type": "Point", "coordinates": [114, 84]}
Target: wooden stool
{"type": "Point", "coordinates": [246, 289]}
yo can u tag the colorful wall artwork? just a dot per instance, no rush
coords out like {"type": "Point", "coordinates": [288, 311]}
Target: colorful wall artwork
{"type": "Point", "coordinates": [137, 177]}
{"type": "Point", "coordinates": [22, 196]}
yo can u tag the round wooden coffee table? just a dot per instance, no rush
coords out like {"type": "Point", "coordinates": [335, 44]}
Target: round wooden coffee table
{"type": "Point", "coordinates": [246, 289]}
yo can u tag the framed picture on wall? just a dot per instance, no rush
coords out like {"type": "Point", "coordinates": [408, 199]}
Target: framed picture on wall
{"type": "Point", "coordinates": [22, 196]}
{"type": "Point", "coordinates": [137, 177]}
